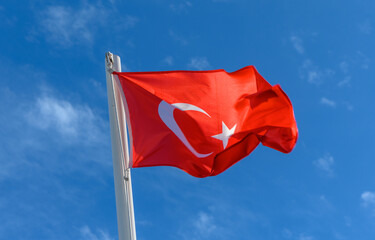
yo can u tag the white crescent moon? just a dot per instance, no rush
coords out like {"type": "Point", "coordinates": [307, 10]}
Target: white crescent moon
{"type": "Point", "coordinates": [166, 114]}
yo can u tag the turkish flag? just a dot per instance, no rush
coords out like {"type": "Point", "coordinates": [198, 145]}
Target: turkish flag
{"type": "Point", "coordinates": [203, 122]}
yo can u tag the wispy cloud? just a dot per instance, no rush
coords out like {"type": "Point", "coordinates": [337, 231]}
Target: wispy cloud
{"type": "Point", "coordinates": [6, 19]}
{"type": "Point", "coordinates": [344, 66]}
{"type": "Point", "coordinates": [349, 106]}
{"type": "Point", "coordinates": [199, 63]}
{"type": "Point", "coordinates": [348, 221]}
{"type": "Point", "coordinates": [316, 74]}
{"type": "Point", "coordinates": [365, 27]}
{"type": "Point", "coordinates": [328, 102]}
{"type": "Point", "coordinates": [47, 144]}
{"type": "Point", "coordinates": [356, 60]}
{"type": "Point", "coordinates": [219, 221]}
{"type": "Point", "coordinates": [368, 201]}
{"type": "Point", "coordinates": [128, 22]}
{"type": "Point", "coordinates": [67, 26]}
{"type": "Point", "coordinates": [305, 237]}
{"type": "Point", "coordinates": [48, 127]}
{"type": "Point", "coordinates": [325, 164]}
{"type": "Point", "coordinates": [168, 60]}
{"type": "Point", "coordinates": [345, 82]}
{"type": "Point", "coordinates": [87, 234]}
{"type": "Point", "coordinates": [288, 234]}
{"type": "Point", "coordinates": [362, 60]}
{"type": "Point", "coordinates": [202, 226]}
{"type": "Point", "coordinates": [313, 73]}
{"type": "Point", "coordinates": [324, 202]}
{"type": "Point", "coordinates": [178, 38]}
{"type": "Point", "coordinates": [181, 6]}
{"type": "Point", "coordinates": [71, 121]}
{"type": "Point", "coordinates": [297, 44]}
{"type": "Point", "coordinates": [44, 122]}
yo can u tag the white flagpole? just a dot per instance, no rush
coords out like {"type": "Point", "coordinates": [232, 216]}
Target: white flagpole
{"type": "Point", "coordinates": [120, 152]}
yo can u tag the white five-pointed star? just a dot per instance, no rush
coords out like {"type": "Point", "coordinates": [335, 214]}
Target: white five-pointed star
{"type": "Point", "coordinates": [225, 135]}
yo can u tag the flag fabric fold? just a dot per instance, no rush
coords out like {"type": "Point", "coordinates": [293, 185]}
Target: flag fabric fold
{"type": "Point", "coordinates": [203, 122]}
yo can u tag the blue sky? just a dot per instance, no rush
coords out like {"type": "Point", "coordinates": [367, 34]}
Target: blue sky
{"type": "Point", "coordinates": [56, 178]}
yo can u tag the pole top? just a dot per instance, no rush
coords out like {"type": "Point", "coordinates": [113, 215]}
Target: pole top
{"type": "Point", "coordinates": [109, 62]}
{"type": "Point", "coordinates": [112, 62]}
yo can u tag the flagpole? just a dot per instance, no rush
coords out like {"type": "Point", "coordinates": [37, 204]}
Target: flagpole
{"type": "Point", "coordinates": [120, 152]}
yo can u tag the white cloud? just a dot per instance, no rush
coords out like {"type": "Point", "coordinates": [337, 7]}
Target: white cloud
{"type": "Point", "coordinates": [60, 114]}
{"type": "Point", "coordinates": [178, 38]}
{"type": "Point", "coordinates": [362, 59]}
{"type": "Point", "coordinates": [71, 121]}
{"type": "Point", "coordinates": [288, 234]}
{"type": "Point", "coordinates": [297, 44]}
{"type": "Point", "coordinates": [204, 223]}
{"type": "Point", "coordinates": [345, 82]}
{"type": "Point", "coordinates": [348, 221]}
{"type": "Point", "coordinates": [127, 22]}
{"type": "Point", "coordinates": [368, 201]}
{"type": "Point", "coordinates": [365, 27]}
{"type": "Point", "coordinates": [7, 18]}
{"type": "Point", "coordinates": [199, 63]}
{"type": "Point", "coordinates": [305, 237]}
{"type": "Point", "coordinates": [48, 127]}
{"type": "Point", "coordinates": [202, 226]}
{"type": "Point", "coordinates": [344, 66]}
{"type": "Point", "coordinates": [43, 125]}
{"type": "Point", "coordinates": [39, 158]}
{"type": "Point", "coordinates": [113, 2]}
{"type": "Point", "coordinates": [325, 164]}
{"type": "Point", "coordinates": [98, 87]}
{"type": "Point", "coordinates": [182, 6]}
{"type": "Point", "coordinates": [368, 198]}
{"type": "Point", "coordinates": [313, 73]}
{"type": "Point", "coordinates": [87, 234]}
{"type": "Point", "coordinates": [349, 106]}
{"type": "Point", "coordinates": [323, 199]}
{"type": "Point", "coordinates": [327, 102]}
{"type": "Point", "coordinates": [168, 60]}
{"type": "Point", "coordinates": [67, 26]}
{"type": "Point", "coordinates": [339, 236]}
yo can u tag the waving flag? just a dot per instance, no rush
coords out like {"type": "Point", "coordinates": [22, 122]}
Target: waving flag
{"type": "Point", "coordinates": [203, 122]}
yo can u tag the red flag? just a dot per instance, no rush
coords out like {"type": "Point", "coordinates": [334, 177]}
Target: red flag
{"type": "Point", "coordinates": [203, 122]}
